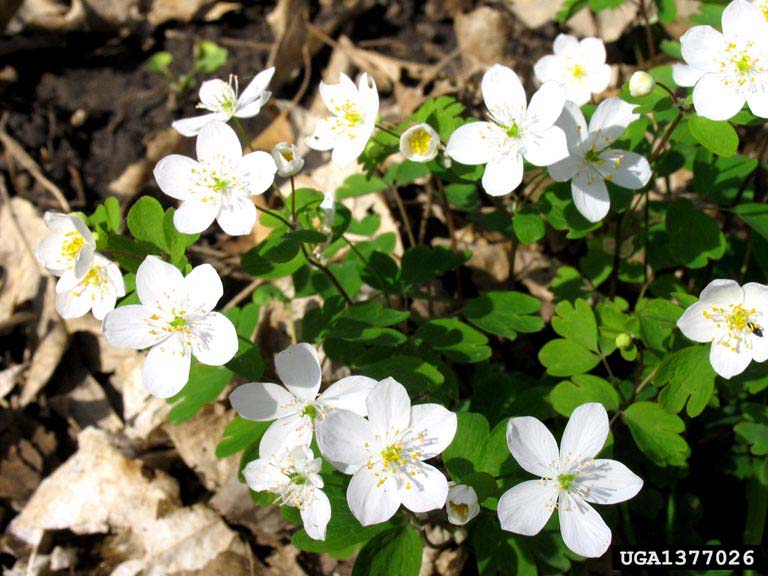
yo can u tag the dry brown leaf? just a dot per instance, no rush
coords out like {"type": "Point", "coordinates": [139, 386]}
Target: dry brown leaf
{"type": "Point", "coordinates": [87, 404]}
{"type": "Point", "coordinates": [483, 36]}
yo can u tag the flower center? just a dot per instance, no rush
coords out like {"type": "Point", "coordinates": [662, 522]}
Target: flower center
{"type": "Point", "coordinates": [513, 131]}
{"type": "Point", "coordinates": [220, 184]}
{"type": "Point", "coordinates": [310, 410]}
{"type": "Point", "coordinates": [577, 71]}
{"type": "Point", "coordinates": [351, 114]}
{"type": "Point", "coordinates": [593, 156]}
{"type": "Point", "coordinates": [419, 141]}
{"type": "Point", "coordinates": [72, 245]}
{"type": "Point", "coordinates": [297, 478]}
{"type": "Point", "coordinates": [566, 481]}
{"type": "Point", "coordinates": [287, 154]}
{"type": "Point", "coordinates": [392, 454]}
{"type": "Point", "coordinates": [178, 322]}
{"type": "Point", "coordinates": [461, 510]}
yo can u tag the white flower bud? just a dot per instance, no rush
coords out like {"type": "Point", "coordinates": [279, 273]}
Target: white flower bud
{"type": "Point", "coordinates": [641, 84]}
{"type": "Point", "coordinates": [461, 504]}
{"type": "Point", "coordinates": [419, 143]}
{"type": "Point", "coordinates": [287, 158]}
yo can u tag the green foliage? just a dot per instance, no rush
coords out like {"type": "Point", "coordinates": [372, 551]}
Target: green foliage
{"type": "Point", "coordinates": [396, 552]}
{"type": "Point", "coordinates": [454, 339]}
{"type": "Point", "coordinates": [687, 377]}
{"type": "Point", "coordinates": [657, 433]}
{"type": "Point", "coordinates": [504, 313]}
{"type": "Point", "coordinates": [718, 137]}
{"type": "Point", "coordinates": [580, 389]}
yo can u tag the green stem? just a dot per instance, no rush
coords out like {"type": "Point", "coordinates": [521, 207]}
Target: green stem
{"type": "Point", "coordinates": [388, 131]}
{"type": "Point", "coordinates": [665, 137]}
{"type": "Point", "coordinates": [243, 133]}
{"type": "Point", "coordinates": [276, 216]}
{"type": "Point", "coordinates": [325, 270]}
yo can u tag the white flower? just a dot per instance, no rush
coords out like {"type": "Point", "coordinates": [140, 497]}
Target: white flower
{"type": "Point", "coordinates": [175, 320]}
{"type": "Point", "coordinates": [287, 159]}
{"type": "Point", "coordinates": [514, 133]}
{"type": "Point", "coordinates": [419, 143]}
{"type": "Point", "coordinates": [217, 185]}
{"type": "Point", "coordinates": [461, 504]}
{"type": "Point", "coordinates": [386, 453]}
{"type": "Point", "coordinates": [294, 475]}
{"type": "Point", "coordinates": [354, 112]}
{"type": "Point", "coordinates": [68, 252]}
{"type": "Point", "coordinates": [570, 479]}
{"type": "Point", "coordinates": [733, 319]}
{"type": "Point", "coordinates": [222, 101]}
{"type": "Point", "coordinates": [578, 66]}
{"type": "Point", "coordinates": [98, 290]}
{"type": "Point", "coordinates": [727, 68]}
{"type": "Point", "coordinates": [591, 163]}
{"type": "Point", "coordinates": [763, 6]}
{"type": "Point", "coordinates": [297, 407]}
{"type": "Point", "coordinates": [641, 84]}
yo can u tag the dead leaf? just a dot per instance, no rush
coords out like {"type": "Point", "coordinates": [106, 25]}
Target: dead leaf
{"type": "Point", "coordinates": [483, 36]}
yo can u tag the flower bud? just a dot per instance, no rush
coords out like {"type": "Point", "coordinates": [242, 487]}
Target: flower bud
{"type": "Point", "coordinates": [419, 143]}
{"type": "Point", "coordinates": [461, 504]}
{"type": "Point", "coordinates": [623, 341]}
{"type": "Point", "coordinates": [287, 158]}
{"type": "Point", "coordinates": [641, 84]}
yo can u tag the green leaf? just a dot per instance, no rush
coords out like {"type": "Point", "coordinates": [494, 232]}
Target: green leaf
{"type": "Point", "coordinates": [455, 340]}
{"type": "Point", "coordinates": [176, 242]}
{"type": "Point", "coordinates": [687, 376]}
{"type": "Point", "coordinates": [504, 313]}
{"type": "Point", "coordinates": [657, 433]}
{"type": "Point", "coordinates": [754, 434]}
{"type": "Point", "coordinates": [204, 386]}
{"type": "Point", "coordinates": [422, 263]}
{"type": "Point", "coordinates": [576, 322]}
{"type": "Point", "coordinates": [569, 8]}
{"type": "Point", "coordinates": [528, 225]}
{"type": "Point", "coordinates": [210, 57]}
{"type": "Point", "coordinates": [400, 174]}
{"type": "Point", "coordinates": [583, 388]}
{"type": "Point", "coordinates": [159, 62]}
{"type": "Point", "coordinates": [145, 221]}
{"type": "Point", "coordinates": [462, 196]}
{"type": "Point", "coordinates": [275, 257]}
{"type": "Point", "coordinates": [417, 375]}
{"type": "Point", "coordinates": [695, 237]}
{"type": "Point", "coordinates": [667, 10]}
{"type": "Point", "coordinates": [756, 215]}
{"type": "Point", "coordinates": [566, 358]}
{"type": "Point", "coordinates": [359, 185]}
{"type": "Point", "coordinates": [239, 434]}
{"type": "Point", "coordinates": [114, 214]}
{"type": "Point", "coordinates": [658, 318]}
{"type": "Point", "coordinates": [599, 5]}
{"type": "Point", "coordinates": [717, 136]}
{"type": "Point", "coordinates": [396, 552]}
{"type": "Point", "coordinates": [476, 448]}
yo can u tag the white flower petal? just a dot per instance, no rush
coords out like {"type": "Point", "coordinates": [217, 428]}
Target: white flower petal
{"type": "Point", "coordinates": [214, 339]}
{"type": "Point", "coordinates": [549, 67]}
{"type": "Point", "coordinates": [166, 368]}
{"type": "Point", "coordinates": [610, 120]}
{"type": "Point", "coordinates": [213, 93]}
{"type": "Point", "coordinates": [502, 176]}
{"type": "Point", "coordinates": [372, 499]}
{"type": "Point", "coordinates": [525, 508]}
{"type": "Point", "coordinates": [533, 446]}
{"type": "Point", "coordinates": [685, 75]}
{"type": "Point", "coordinates": [49, 254]}
{"type": "Point", "coordinates": [742, 19]}
{"type": "Point", "coordinates": [470, 144]}
{"type": "Point", "coordinates": [193, 216]}
{"type": "Point", "coordinates": [262, 475]}
{"type": "Point", "coordinates": [504, 95]}
{"type": "Point", "coordinates": [158, 284]}
{"type": "Point", "coordinates": [284, 435]}
{"type": "Point", "coordinates": [598, 79]}
{"type": "Point", "coordinates": [73, 304]}
{"type": "Point", "coordinates": [237, 215]}
{"type": "Point", "coordinates": [701, 47]}
{"type": "Point", "coordinates": [59, 222]}
{"type": "Point", "coordinates": [425, 490]}
{"type": "Point", "coordinates": [590, 195]}
{"type": "Point", "coordinates": [584, 435]}
{"type": "Point", "coordinates": [218, 143]}
{"type": "Point", "coordinates": [263, 401]}
{"type": "Point", "coordinates": [191, 126]}
{"type": "Point", "coordinates": [346, 151]}
{"type": "Point", "coordinates": [565, 44]}
{"type": "Point", "coordinates": [545, 147]}
{"type": "Point", "coordinates": [573, 124]}
{"type": "Point", "coordinates": [316, 514]}
{"type": "Point", "coordinates": [299, 369]}
{"type": "Point", "coordinates": [722, 293]}
{"type": "Point", "coordinates": [583, 530]}
{"type": "Point", "coordinates": [174, 175]}
{"type": "Point", "coordinates": [324, 136]}
{"type": "Point", "coordinates": [349, 393]}
{"type": "Point", "coordinates": [203, 290]}
{"type": "Point", "coordinates": [259, 169]}
{"type": "Point", "coordinates": [342, 438]}
{"type": "Point", "coordinates": [565, 169]}
{"type": "Point", "coordinates": [714, 100]}
{"type": "Point", "coordinates": [608, 482]}
{"type": "Point", "coordinates": [369, 98]}
{"type": "Point", "coordinates": [625, 169]}
{"type": "Point", "coordinates": [335, 96]}
{"type": "Point", "coordinates": [436, 424]}
{"type": "Point", "coordinates": [84, 261]}
{"type": "Point", "coordinates": [132, 327]}
{"type": "Point", "coordinates": [728, 362]}
{"type": "Point", "coordinates": [254, 91]}
{"type": "Point", "coordinates": [389, 407]}
{"type": "Point", "coordinates": [546, 106]}
{"type": "Point", "coordinates": [696, 326]}
{"type": "Point", "coordinates": [758, 104]}
{"type": "Point", "coordinates": [593, 50]}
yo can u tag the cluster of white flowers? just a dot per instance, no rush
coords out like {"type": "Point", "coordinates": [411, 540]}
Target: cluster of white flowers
{"type": "Point", "coordinates": [87, 280]}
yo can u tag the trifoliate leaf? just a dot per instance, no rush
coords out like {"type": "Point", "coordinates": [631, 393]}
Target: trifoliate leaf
{"type": "Point", "coordinates": [566, 358]}
{"type": "Point", "coordinates": [657, 433]}
{"type": "Point", "coordinates": [396, 552]}
{"type": "Point", "coordinates": [455, 340]}
{"type": "Point", "coordinates": [504, 313]}
{"type": "Point", "coordinates": [583, 388]}
{"type": "Point", "coordinates": [576, 322]}
{"type": "Point", "coordinates": [687, 377]}
{"type": "Point", "coordinates": [755, 434]}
